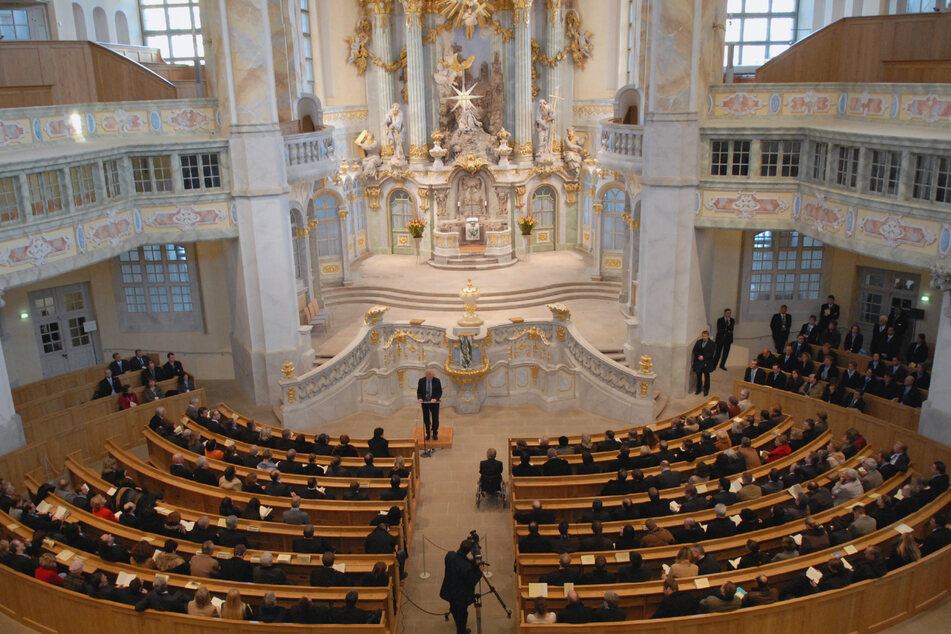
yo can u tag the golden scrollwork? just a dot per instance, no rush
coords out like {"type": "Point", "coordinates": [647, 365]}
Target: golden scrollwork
{"type": "Point", "coordinates": [644, 388]}
{"type": "Point", "coordinates": [342, 214]}
{"type": "Point", "coordinates": [597, 208]}
{"type": "Point", "coordinates": [561, 333]}
{"type": "Point", "coordinates": [535, 374]}
{"type": "Point", "coordinates": [400, 336]}
{"type": "Point", "coordinates": [646, 363]}
{"type": "Point", "coordinates": [313, 223]}
{"type": "Point", "coordinates": [532, 333]}
{"type": "Point", "coordinates": [419, 151]}
{"type": "Point", "coordinates": [423, 195]}
{"type": "Point", "coordinates": [373, 197]}
{"type": "Point", "coordinates": [467, 14]}
{"type": "Point", "coordinates": [524, 150]}
{"type": "Point", "coordinates": [301, 232]}
{"type": "Point", "coordinates": [288, 370]}
{"type": "Point", "coordinates": [359, 53]}
{"type": "Point", "coordinates": [467, 375]}
{"type": "Point", "coordinates": [559, 311]}
{"type": "Point", "coordinates": [471, 163]}
{"type": "Point", "coordinates": [375, 338]}
{"type": "Point", "coordinates": [375, 314]}
{"type": "Point", "coordinates": [543, 171]}
{"type": "Point", "coordinates": [291, 394]}
{"type": "Point", "coordinates": [400, 374]}
{"type": "Point", "coordinates": [592, 110]}
{"type": "Point", "coordinates": [519, 195]}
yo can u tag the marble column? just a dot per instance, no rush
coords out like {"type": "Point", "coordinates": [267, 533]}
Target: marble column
{"type": "Point", "coordinates": [11, 426]}
{"type": "Point", "coordinates": [683, 63]}
{"type": "Point", "coordinates": [265, 329]}
{"type": "Point", "coordinates": [521, 22]}
{"type": "Point", "coordinates": [935, 421]}
{"type": "Point", "coordinates": [381, 92]}
{"type": "Point", "coordinates": [345, 246]}
{"type": "Point", "coordinates": [596, 208]}
{"type": "Point", "coordinates": [415, 88]}
{"type": "Point", "coordinates": [285, 28]}
{"type": "Point", "coordinates": [557, 80]}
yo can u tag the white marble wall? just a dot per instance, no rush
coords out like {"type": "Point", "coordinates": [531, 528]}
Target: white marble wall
{"type": "Point", "coordinates": [935, 421]}
{"type": "Point", "coordinates": [11, 427]}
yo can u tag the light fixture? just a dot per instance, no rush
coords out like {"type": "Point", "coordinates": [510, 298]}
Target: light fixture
{"type": "Point", "coordinates": [926, 298]}
{"type": "Point", "coordinates": [24, 315]}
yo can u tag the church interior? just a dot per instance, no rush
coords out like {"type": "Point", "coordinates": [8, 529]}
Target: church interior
{"type": "Point", "coordinates": [622, 239]}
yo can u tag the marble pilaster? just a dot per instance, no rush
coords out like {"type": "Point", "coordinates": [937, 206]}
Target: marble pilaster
{"type": "Point", "coordinates": [345, 246]}
{"type": "Point", "coordinates": [285, 26]}
{"type": "Point", "coordinates": [415, 89]}
{"type": "Point", "coordinates": [381, 92]}
{"type": "Point", "coordinates": [557, 77]}
{"type": "Point", "coordinates": [265, 332]}
{"type": "Point", "coordinates": [935, 421]}
{"type": "Point", "coordinates": [521, 22]}
{"type": "Point", "coordinates": [596, 208]}
{"type": "Point", "coordinates": [11, 426]}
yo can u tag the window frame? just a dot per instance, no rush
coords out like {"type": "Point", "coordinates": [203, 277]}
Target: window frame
{"type": "Point", "coordinates": [772, 46]}
{"type": "Point", "coordinates": [884, 176]}
{"type": "Point", "coordinates": [168, 33]}
{"type": "Point", "coordinates": [785, 265]}
{"type": "Point", "coordinates": [41, 185]}
{"type": "Point", "coordinates": [152, 278]}
{"type": "Point", "coordinates": [157, 184]}
{"type": "Point", "coordinates": [738, 154]}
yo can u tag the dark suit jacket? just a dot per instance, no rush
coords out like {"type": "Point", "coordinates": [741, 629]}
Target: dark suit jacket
{"type": "Point", "coordinates": [327, 577]}
{"type": "Point", "coordinates": [917, 353]}
{"type": "Point", "coordinates": [812, 336]}
{"type": "Point", "coordinates": [170, 370]}
{"type": "Point", "coordinates": [460, 579]}
{"type": "Point", "coordinates": [781, 324]}
{"type": "Point", "coordinates": [828, 313]}
{"type": "Point", "coordinates": [855, 381]}
{"type": "Point", "coordinates": [776, 380]}
{"type": "Point", "coordinates": [236, 569]}
{"type": "Point", "coordinates": [421, 389]}
{"type": "Point", "coordinates": [380, 542]}
{"type": "Point", "coordinates": [910, 396]}
{"type": "Point", "coordinates": [852, 343]}
{"type": "Point", "coordinates": [706, 350]}
{"type": "Point", "coordinates": [165, 602]}
{"type": "Point", "coordinates": [725, 329]}
{"type": "Point", "coordinates": [890, 348]}
{"type": "Point", "coordinates": [136, 364]}
{"type": "Point", "coordinates": [119, 367]}
{"type": "Point", "coordinates": [106, 386]}
{"type": "Point", "coordinates": [155, 375]}
{"type": "Point", "coordinates": [759, 379]}
{"type": "Point", "coordinates": [854, 402]}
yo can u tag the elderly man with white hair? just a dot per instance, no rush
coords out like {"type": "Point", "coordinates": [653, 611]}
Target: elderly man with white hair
{"type": "Point", "coordinates": [872, 477]}
{"type": "Point", "coordinates": [848, 487]}
{"type": "Point", "coordinates": [745, 402]}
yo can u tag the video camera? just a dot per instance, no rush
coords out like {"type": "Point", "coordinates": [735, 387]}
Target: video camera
{"type": "Point", "coordinates": [476, 547]}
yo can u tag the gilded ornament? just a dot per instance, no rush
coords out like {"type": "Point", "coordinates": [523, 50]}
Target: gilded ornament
{"type": "Point", "coordinates": [375, 314]}
{"type": "Point", "coordinates": [375, 337]}
{"type": "Point", "coordinates": [400, 374]}
{"type": "Point", "coordinates": [470, 297]}
{"type": "Point", "coordinates": [524, 150]}
{"type": "Point", "coordinates": [561, 333]}
{"type": "Point", "coordinates": [423, 195]}
{"type": "Point", "coordinates": [646, 363]}
{"type": "Point", "coordinates": [373, 197]}
{"type": "Point", "coordinates": [301, 232]}
{"type": "Point", "coordinates": [644, 388]}
{"type": "Point", "coordinates": [342, 214]}
{"type": "Point", "coordinates": [288, 370]}
{"type": "Point", "coordinates": [471, 163]}
{"type": "Point", "coordinates": [418, 152]}
{"type": "Point", "coordinates": [571, 192]}
{"type": "Point", "coordinates": [559, 311]}
{"type": "Point", "coordinates": [519, 195]}
{"type": "Point", "coordinates": [291, 395]}
{"type": "Point", "coordinates": [597, 208]}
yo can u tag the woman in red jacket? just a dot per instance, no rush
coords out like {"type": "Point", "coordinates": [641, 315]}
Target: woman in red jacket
{"type": "Point", "coordinates": [781, 450]}
{"type": "Point", "coordinates": [128, 400]}
{"type": "Point", "coordinates": [98, 506]}
{"type": "Point", "coordinates": [47, 570]}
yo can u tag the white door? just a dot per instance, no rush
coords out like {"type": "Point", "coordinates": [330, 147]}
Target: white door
{"type": "Point", "coordinates": [60, 315]}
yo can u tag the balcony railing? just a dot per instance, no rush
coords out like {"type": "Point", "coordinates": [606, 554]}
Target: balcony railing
{"type": "Point", "coordinates": [618, 138]}
{"type": "Point", "coordinates": [310, 155]}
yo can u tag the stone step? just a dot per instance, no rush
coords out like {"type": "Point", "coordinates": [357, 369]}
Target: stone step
{"type": "Point", "coordinates": [409, 299]}
{"type": "Point", "coordinates": [606, 288]}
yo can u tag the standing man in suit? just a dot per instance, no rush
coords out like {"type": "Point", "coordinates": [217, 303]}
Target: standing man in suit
{"type": "Point", "coordinates": [139, 361]}
{"type": "Point", "coordinates": [428, 393]}
{"type": "Point", "coordinates": [780, 325]}
{"type": "Point", "coordinates": [878, 335]}
{"type": "Point", "coordinates": [891, 344]}
{"type": "Point", "coordinates": [828, 312]}
{"type": "Point", "coordinates": [810, 330]}
{"type": "Point", "coordinates": [724, 340]}
{"type": "Point", "coordinates": [459, 582]}
{"type": "Point", "coordinates": [853, 340]}
{"type": "Point", "coordinates": [704, 360]}
{"type": "Point", "coordinates": [918, 351]}
{"type": "Point", "coordinates": [118, 365]}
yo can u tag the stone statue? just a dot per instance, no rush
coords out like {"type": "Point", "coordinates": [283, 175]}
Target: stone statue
{"type": "Point", "coordinates": [394, 130]}
{"type": "Point", "coordinates": [573, 151]}
{"type": "Point", "coordinates": [472, 197]}
{"type": "Point", "coordinates": [445, 78]}
{"type": "Point", "coordinates": [440, 196]}
{"type": "Point", "coordinates": [544, 122]}
{"type": "Point", "coordinates": [371, 162]}
{"type": "Point", "coordinates": [502, 193]}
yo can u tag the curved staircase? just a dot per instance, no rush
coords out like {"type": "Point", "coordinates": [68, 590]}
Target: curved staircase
{"type": "Point", "coordinates": [498, 300]}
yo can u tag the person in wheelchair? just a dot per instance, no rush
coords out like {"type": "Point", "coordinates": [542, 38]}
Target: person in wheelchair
{"type": "Point", "coordinates": [490, 473]}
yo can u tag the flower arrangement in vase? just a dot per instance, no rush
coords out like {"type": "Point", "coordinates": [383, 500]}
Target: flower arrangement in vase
{"type": "Point", "coordinates": [416, 227]}
{"type": "Point", "coordinates": [526, 224]}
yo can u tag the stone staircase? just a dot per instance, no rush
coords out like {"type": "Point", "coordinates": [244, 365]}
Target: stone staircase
{"type": "Point", "coordinates": [507, 300]}
{"type": "Point", "coordinates": [472, 262]}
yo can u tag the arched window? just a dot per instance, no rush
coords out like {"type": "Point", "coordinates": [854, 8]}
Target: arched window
{"type": "Point", "coordinates": [101, 23]}
{"type": "Point", "coordinates": [122, 28]}
{"type": "Point", "coordinates": [299, 244]}
{"type": "Point", "coordinates": [543, 206]}
{"type": "Point", "coordinates": [401, 209]}
{"type": "Point", "coordinates": [79, 22]}
{"type": "Point", "coordinates": [326, 210]}
{"type": "Point", "coordinates": [613, 228]}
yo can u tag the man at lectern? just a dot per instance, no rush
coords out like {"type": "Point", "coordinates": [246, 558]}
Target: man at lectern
{"type": "Point", "coordinates": [428, 393]}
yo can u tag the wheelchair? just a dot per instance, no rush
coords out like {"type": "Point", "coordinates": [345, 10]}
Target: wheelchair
{"type": "Point", "coordinates": [491, 487]}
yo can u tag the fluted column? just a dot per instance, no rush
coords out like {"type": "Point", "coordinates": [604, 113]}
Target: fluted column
{"type": "Point", "coordinates": [344, 245]}
{"type": "Point", "coordinates": [381, 92]}
{"type": "Point", "coordinates": [415, 89]}
{"type": "Point", "coordinates": [596, 208]}
{"type": "Point", "coordinates": [521, 21]}
{"type": "Point", "coordinates": [555, 75]}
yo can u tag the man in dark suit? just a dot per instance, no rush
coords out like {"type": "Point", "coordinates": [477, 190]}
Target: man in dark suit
{"type": "Point", "coordinates": [309, 544]}
{"type": "Point", "coordinates": [891, 344]}
{"type": "Point", "coordinates": [161, 600]}
{"type": "Point", "coordinates": [910, 395]}
{"type": "Point", "coordinates": [109, 385]}
{"type": "Point", "coordinates": [894, 368]}
{"type": "Point", "coordinates": [851, 377]}
{"type": "Point", "coordinates": [918, 351]}
{"type": "Point", "coordinates": [428, 393]}
{"type": "Point", "coordinates": [788, 360]}
{"type": "Point", "coordinates": [889, 388]}
{"type": "Point", "coordinates": [458, 584]}
{"type": "Point", "coordinates": [151, 372]}
{"type": "Point", "coordinates": [776, 379]}
{"type": "Point", "coordinates": [704, 360]}
{"type": "Point", "coordinates": [828, 371]}
{"type": "Point", "coordinates": [490, 472]}
{"type": "Point", "coordinates": [780, 325]}
{"type": "Point", "coordinates": [800, 346]}
{"type": "Point", "coordinates": [236, 568]}
{"type": "Point", "coordinates": [565, 573]}
{"type": "Point", "coordinates": [138, 362]}
{"type": "Point", "coordinates": [118, 365]}
{"type": "Point", "coordinates": [828, 312]}
{"type": "Point", "coordinates": [725, 326]}
{"type": "Point", "coordinates": [853, 340]}
{"type": "Point", "coordinates": [555, 465]}
{"type": "Point", "coordinates": [855, 401]}
{"type": "Point", "coordinates": [753, 373]}
{"type": "Point", "coordinates": [326, 576]}
{"type": "Point", "coordinates": [172, 368]}
{"type": "Point", "coordinates": [877, 366]}
{"type": "Point", "coordinates": [810, 330]}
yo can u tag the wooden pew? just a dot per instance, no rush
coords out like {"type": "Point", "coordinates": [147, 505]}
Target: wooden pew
{"type": "Point", "coordinates": [269, 535]}
{"type": "Point", "coordinates": [534, 487]}
{"type": "Point", "coordinates": [84, 377]}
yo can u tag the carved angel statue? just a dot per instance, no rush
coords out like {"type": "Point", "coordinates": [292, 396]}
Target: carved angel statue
{"type": "Point", "coordinates": [573, 151]}
{"type": "Point", "coordinates": [579, 40]}
{"type": "Point", "coordinates": [371, 162]}
{"type": "Point", "coordinates": [394, 130]}
{"type": "Point", "coordinates": [357, 45]}
{"type": "Point", "coordinates": [544, 121]}
{"type": "Point", "coordinates": [446, 75]}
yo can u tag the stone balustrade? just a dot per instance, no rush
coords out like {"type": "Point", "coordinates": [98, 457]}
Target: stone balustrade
{"type": "Point", "coordinates": [310, 155]}
{"type": "Point", "coordinates": [621, 146]}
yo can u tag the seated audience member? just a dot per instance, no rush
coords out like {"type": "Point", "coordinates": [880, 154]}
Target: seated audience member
{"type": "Point", "coordinates": [269, 611]}
{"type": "Point", "coordinates": [99, 509]}
{"type": "Point", "coordinates": [610, 610]}
{"type": "Point", "coordinates": [683, 565]}
{"type": "Point", "coordinates": [720, 525]}
{"type": "Point", "coordinates": [172, 368]}
{"type": "Point", "coordinates": [109, 385]}
{"type": "Point", "coordinates": [541, 613]}
{"type": "Point", "coordinates": [128, 400]}
{"type": "Point", "coordinates": [534, 542]}
{"type": "Point", "coordinates": [675, 602]}
{"type": "Point", "coordinates": [599, 575]}
{"type": "Point", "coordinates": [597, 540]}
{"type": "Point", "coordinates": [234, 608]}
{"type": "Point", "coordinates": [345, 449]}
{"type": "Point", "coordinates": [369, 470]}
{"type": "Point", "coordinates": [201, 605]}
{"type": "Point", "coordinates": [848, 487]}
{"type": "Point", "coordinates": [326, 576]}
{"type": "Point", "coordinates": [575, 611]}
{"type": "Point", "coordinates": [355, 493]}
{"type": "Point", "coordinates": [350, 614]}
{"type": "Point", "coordinates": [564, 543]}
{"type": "Point", "coordinates": [112, 551]}
{"type": "Point", "coordinates": [872, 566]}
{"type": "Point", "coordinates": [814, 537]}
{"type": "Point", "coordinates": [537, 514]}
{"type": "Point", "coordinates": [236, 568]}
{"type": "Point", "coordinates": [74, 578]}
{"type": "Point", "coordinates": [490, 472]}
{"type": "Point", "coordinates": [939, 535]}
{"type": "Point", "coordinates": [47, 570]}
{"type": "Point", "coordinates": [378, 445]}
{"type": "Point", "coordinates": [787, 550]}
{"type": "Point", "coordinates": [308, 543]}
{"type": "Point", "coordinates": [655, 535]}
{"type": "Point", "coordinates": [295, 515]}
{"type": "Point", "coordinates": [266, 572]}
{"type": "Point", "coordinates": [152, 392]}
{"type": "Point", "coordinates": [565, 573]}
{"type": "Point", "coordinates": [636, 571]}
{"type": "Point", "coordinates": [229, 481]}
{"type": "Point", "coordinates": [724, 599]}
{"type": "Point", "coordinates": [161, 600]}
{"type": "Point", "coordinates": [555, 465]}
{"type": "Point", "coordinates": [909, 394]}
{"type": "Point", "coordinates": [762, 594]}
{"type": "Point", "coordinates": [203, 563]}
{"type": "Point", "coordinates": [525, 468]}
{"type": "Point", "coordinates": [376, 578]}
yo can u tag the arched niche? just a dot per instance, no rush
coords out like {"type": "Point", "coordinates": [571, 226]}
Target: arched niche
{"type": "Point", "coordinates": [310, 113]}
{"type": "Point", "coordinates": [627, 105]}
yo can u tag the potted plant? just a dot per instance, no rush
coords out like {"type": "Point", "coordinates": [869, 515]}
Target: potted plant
{"type": "Point", "coordinates": [526, 224]}
{"type": "Point", "coordinates": [416, 227]}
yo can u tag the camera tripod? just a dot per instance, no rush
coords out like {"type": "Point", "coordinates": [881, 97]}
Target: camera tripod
{"type": "Point", "coordinates": [478, 602]}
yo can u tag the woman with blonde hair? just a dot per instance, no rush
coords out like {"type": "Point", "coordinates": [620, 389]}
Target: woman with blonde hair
{"type": "Point", "coordinates": [98, 506]}
{"type": "Point", "coordinates": [723, 440]}
{"type": "Point", "coordinates": [399, 467]}
{"type": "Point", "coordinates": [905, 552]}
{"type": "Point", "coordinates": [683, 565]}
{"type": "Point", "coordinates": [47, 570]}
{"type": "Point", "coordinates": [234, 608]}
{"type": "Point", "coordinates": [201, 605]}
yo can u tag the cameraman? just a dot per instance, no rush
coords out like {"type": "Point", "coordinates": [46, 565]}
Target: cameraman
{"type": "Point", "coordinates": [459, 582]}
